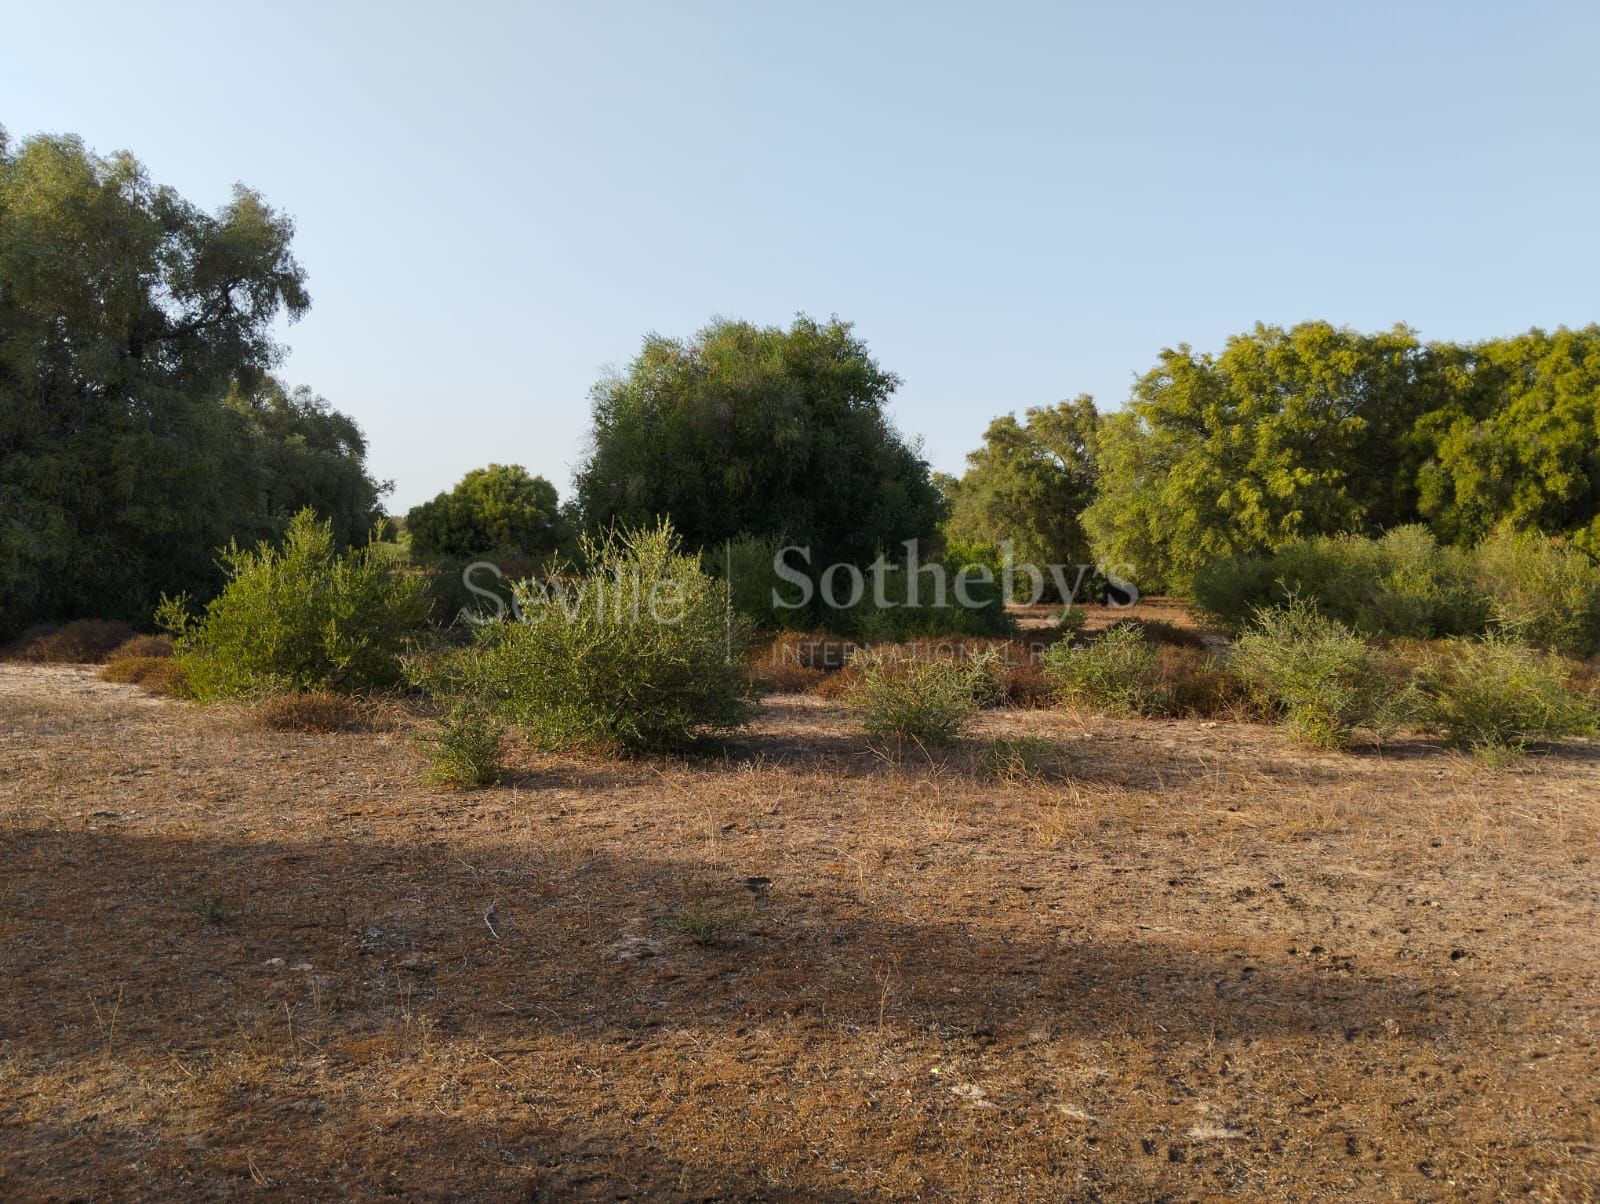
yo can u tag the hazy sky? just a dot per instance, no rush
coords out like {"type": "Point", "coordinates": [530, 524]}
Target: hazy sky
{"type": "Point", "coordinates": [1014, 204]}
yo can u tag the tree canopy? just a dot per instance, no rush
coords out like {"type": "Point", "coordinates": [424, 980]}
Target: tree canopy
{"type": "Point", "coordinates": [1285, 433]}
{"type": "Point", "coordinates": [751, 430]}
{"type": "Point", "coordinates": [139, 426]}
{"type": "Point", "coordinates": [1517, 440]}
{"type": "Point", "coordinates": [1318, 430]}
{"type": "Point", "coordinates": [498, 508]}
{"type": "Point", "coordinates": [1029, 483]}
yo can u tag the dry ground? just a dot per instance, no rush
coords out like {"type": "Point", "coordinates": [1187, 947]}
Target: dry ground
{"type": "Point", "coordinates": [235, 963]}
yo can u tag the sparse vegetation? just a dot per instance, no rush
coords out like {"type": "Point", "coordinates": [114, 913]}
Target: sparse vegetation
{"type": "Point", "coordinates": [1023, 759]}
{"type": "Point", "coordinates": [640, 652]}
{"type": "Point", "coordinates": [927, 700]}
{"type": "Point", "coordinates": [153, 674]}
{"type": "Point", "coordinates": [1319, 675]}
{"type": "Point", "coordinates": [1117, 673]}
{"type": "Point", "coordinates": [1494, 697]}
{"type": "Point", "coordinates": [464, 746]}
{"type": "Point", "coordinates": [301, 616]}
{"type": "Point", "coordinates": [311, 711]}
{"type": "Point", "coordinates": [705, 925]}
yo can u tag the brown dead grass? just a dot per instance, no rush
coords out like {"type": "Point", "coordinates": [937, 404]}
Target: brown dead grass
{"type": "Point", "coordinates": [143, 647]}
{"type": "Point", "coordinates": [1198, 963]}
{"type": "Point", "coordinates": [80, 642]}
{"type": "Point", "coordinates": [155, 674]}
{"type": "Point", "coordinates": [314, 711]}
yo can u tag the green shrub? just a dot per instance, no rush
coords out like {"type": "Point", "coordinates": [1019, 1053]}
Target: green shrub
{"type": "Point", "coordinates": [301, 616]}
{"type": "Point", "coordinates": [1543, 592]}
{"type": "Point", "coordinates": [641, 651]}
{"type": "Point", "coordinates": [1319, 675]}
{"type": "Point", "coordinates": [1494, 696]}
{"type": "Point", "coordinates": [927, 700]}
{"type": "Point", "coordinates": [464, 746]}
{"type": "Point", "coordinates": [747, 565]}
{"type": "Point", "coordinates": [1117, 673]}
{"type": "Point", "coordinates": [1400, 584]}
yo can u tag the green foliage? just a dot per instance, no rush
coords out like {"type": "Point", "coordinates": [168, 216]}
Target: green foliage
{"type": "Point", "coordinates": [641, 651]}
{"type": "Point", "coordinates": [464, 745]}
{"type": "Point", "coordinates": [1319, 675]}
{"type": "Point", "coordinates": [1544, 592]}
{"type": "Point", "coordinates": [1494, 696]}
{"type": "Point", "coordinates": [1401, 584]}
{"type": "Point", "coordinates": [747, 430]}
{"type": "Point", "coordinates": [884, 613]}
{"type": "Point", "coordinates": [1287, 433]}
{"type": "Point", "coordinates": [1028, 484]}
{"type": "Point", "coordinates": [495, 509]}
{"type": "Point", "coordinates": [1516, 440]}
{"type": "Point", "coordinates": [138, 426]}
{"type": "Point", "coordinates": [299, 616]}
{"type": "Point", "coordinates": [926, 700]}
{"type": "Point", "coordinates": [1290, 434]}
{"type": "Point", "coordinates": [1118, 673]}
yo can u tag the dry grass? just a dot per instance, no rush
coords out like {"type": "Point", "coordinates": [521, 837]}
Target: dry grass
{"type": "Point", "coordinates": [141, 646]}
{"type": "Point", "coordinates": [313, 711]}
{"type": "Point", "coordinates": [156, 674]}
{"type": "Point", "coordinates": [80, 642]}
{"type": "Point", "coordinates": [1204, 964]}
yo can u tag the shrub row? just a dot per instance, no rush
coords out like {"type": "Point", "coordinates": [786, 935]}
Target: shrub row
{"type": "Point", "coordinates": [1539, 591]}
{"type": "Point", "coordinates": [644, 650]}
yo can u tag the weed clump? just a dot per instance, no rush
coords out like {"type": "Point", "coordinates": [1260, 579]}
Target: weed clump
{"type": "Point", "coordinates": [80, 642]}
{"type": "Point", "coordinates": [640, 652]}
{"type": "Point", "coordinates": [1493, 697]}
{"type": "Point", "coordinates": [311, 711]}
{"type": "Point", "coordinates": [1320, 676]}
{"type": "Point", "coordinates": [153, 674]}
{"type": "Point", "coordinates": [302, 616]}
{"type": "Point", "coordinates": [1023, 759]}
{"type": "Point", "coordinates": [1118, 673]}
{"type": "Point", "coordinates": [464, 747]}
{"type": "Point", "coordinates": [927, 700]}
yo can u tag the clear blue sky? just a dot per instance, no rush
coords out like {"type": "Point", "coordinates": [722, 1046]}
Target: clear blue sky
{"type": "Point", "coordinates": [1014, 204]}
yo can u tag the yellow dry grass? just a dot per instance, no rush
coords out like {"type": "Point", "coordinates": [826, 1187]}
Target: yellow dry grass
{"type": "Point", "coordinates": [1199, 963]}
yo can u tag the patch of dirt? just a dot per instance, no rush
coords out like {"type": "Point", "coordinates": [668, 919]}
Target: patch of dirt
{"type": "Point", "coordinates": [1202, 963]}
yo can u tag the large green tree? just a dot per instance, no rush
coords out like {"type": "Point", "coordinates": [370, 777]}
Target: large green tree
{"type": "Point", "coordinates": [1288, 432]}
{"type": "Point", "coordinates": [1030, 482]}
{"type": "Point", "coordinates": [1517, 440]}
{"type": "Point", "coordinates": [751, 430]}
{"type": "Point", "coordinates": [495, 509]}
{"type": "Point", "coordinates": [139, 428]}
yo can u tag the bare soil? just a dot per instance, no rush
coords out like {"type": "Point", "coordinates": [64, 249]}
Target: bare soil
{"type": "Point", "coordinates": [1202, 964]}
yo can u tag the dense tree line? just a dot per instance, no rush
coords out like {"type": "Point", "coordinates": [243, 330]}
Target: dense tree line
{"type": "Point", "coordinates": [1306, 431]}
{"type": "Point", "coordinates": [140, 427]}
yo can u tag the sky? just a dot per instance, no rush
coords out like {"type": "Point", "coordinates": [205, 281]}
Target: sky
{"type": "Point", "coordinates": [1013, 203]}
